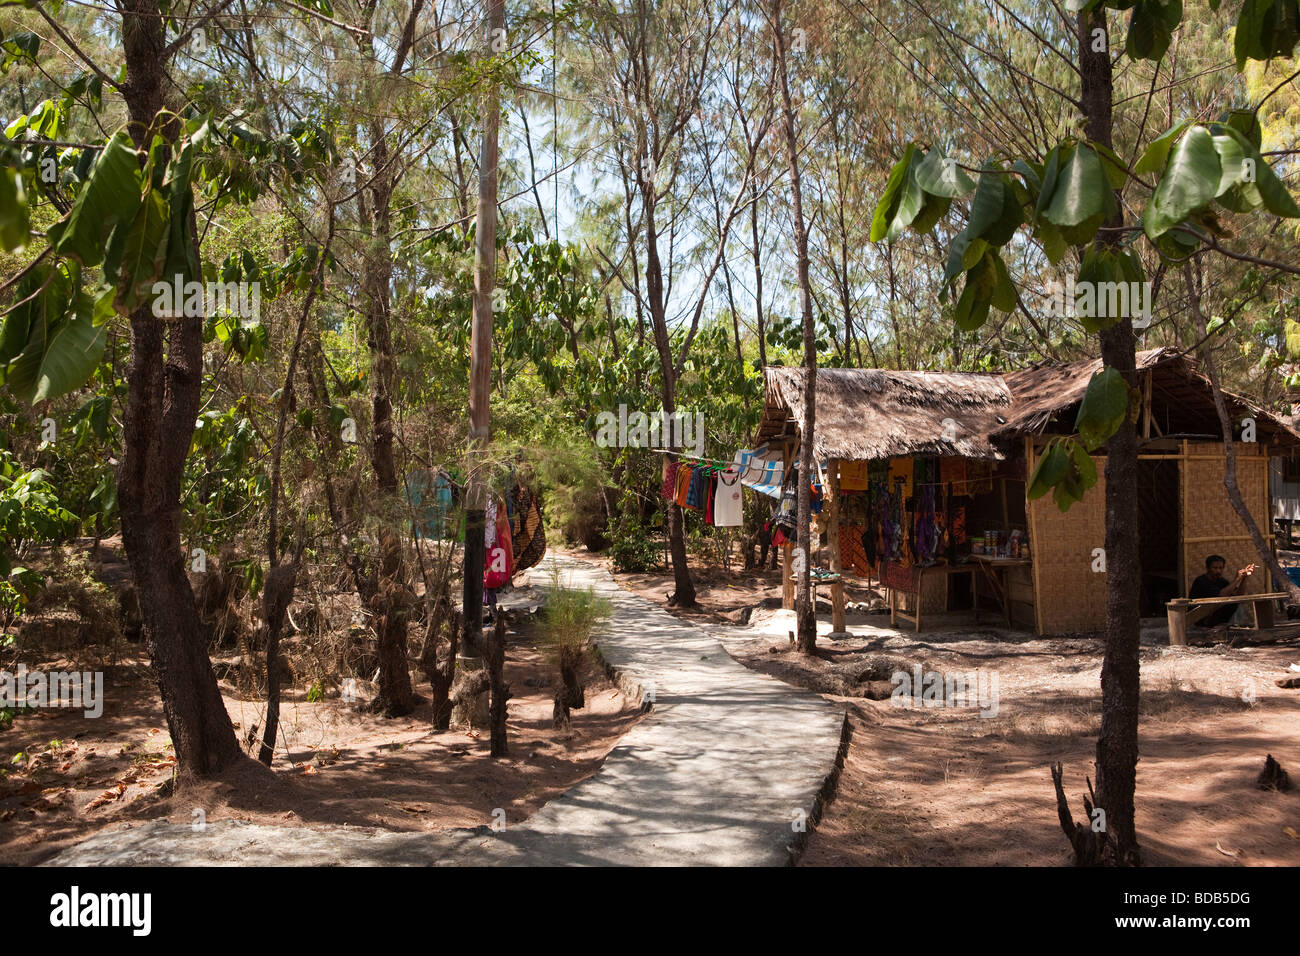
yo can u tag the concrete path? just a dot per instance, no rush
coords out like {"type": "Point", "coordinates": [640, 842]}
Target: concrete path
{"type": "Point", "coordinates": [726, 770]}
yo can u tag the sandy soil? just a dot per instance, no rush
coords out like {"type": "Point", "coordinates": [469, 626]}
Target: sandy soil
{"type": "Point", "coordinates": [334, 764]}
{"type": "Point", "coordinates": [940, 786]}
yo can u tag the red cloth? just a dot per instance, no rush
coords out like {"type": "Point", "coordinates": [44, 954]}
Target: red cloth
{"type": "Point", "coordinates": [500, 564]}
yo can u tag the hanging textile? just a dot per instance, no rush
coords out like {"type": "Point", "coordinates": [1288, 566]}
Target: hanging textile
{"type": "Point", "coordinates": [761, 470]}
{"type": "Point", "coordinates": [927, 532]}
{"type": "Point", "coordinates": [855, 475]}
{"type": "Point", "coordinates": [953, 471]}
{"type": "Point", "coordinates": [728, 509]}
{"type": "Point", "coordinates": [853, 554]}
{"type": "Point", "coordinates": [529, 542]}
{"type": "Point", "coordinates": [669, 488]}
{"type": "Point", "coordinates": [696, 488]}
{"type": "Point", "coordinates": [499, 563]}
{"type": "Point", "coordinates": [684, 473]}
{"type": "Point", "coordinates": [979, 477]}
{"type": "Point", "coordinates": [900, 470]}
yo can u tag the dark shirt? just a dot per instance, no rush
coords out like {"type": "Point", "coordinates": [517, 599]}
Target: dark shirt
{"type": "Point", "coordinates": [1206, 587]}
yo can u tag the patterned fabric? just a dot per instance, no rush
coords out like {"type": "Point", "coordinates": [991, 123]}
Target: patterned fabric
{"type": "Point", "coordinates": [529, 543]}
{"type": "Point", "coordinates": [761, 470]}
{"type": "Point", "coordinates": [853, 555]}
{"type": "Point", "coordinates": [669, 489]}
{"type": "Point", "coordinates": [696, 489]}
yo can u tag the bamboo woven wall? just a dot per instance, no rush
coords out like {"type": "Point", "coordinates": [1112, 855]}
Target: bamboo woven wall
{"type": "Point", "coordinates": [1070, 596]}
{"type": "Point", "coordinates": [1210, 526]}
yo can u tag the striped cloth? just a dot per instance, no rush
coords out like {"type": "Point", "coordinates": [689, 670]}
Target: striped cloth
{"type": "Point", "coordinates": [761, 469]}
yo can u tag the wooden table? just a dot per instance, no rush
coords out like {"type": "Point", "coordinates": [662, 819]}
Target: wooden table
{"type": "Point", "coordinates": [895, 612]}
{"type": "Point", "coordinates": [994, 568]}
{"type": "Point", "coordinates": [1179, 611]}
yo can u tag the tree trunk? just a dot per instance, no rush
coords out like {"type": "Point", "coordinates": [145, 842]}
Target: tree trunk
{"type": "Point", "coordinates": [498, 688]}
{"type": "Point", "coordinates": [805, 612]}
{"type": "Point", "coordinates": [1117, 743]}
{"type": "Point", "coordinates": [485, 251]}
{"type": "Point", "coordinates": [276, 595]}
{"type": "Point", "coordinates": [164, 380]}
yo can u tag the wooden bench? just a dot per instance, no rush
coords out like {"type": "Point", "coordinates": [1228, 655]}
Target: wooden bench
{"type": "Point", "coordinates": [1182, 611]}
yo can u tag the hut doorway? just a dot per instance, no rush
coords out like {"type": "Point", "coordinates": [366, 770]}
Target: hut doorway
{"type": "Point", "coordinates": [1160, 534]}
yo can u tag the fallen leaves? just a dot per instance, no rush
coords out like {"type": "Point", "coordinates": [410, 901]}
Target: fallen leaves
{"type": "Point", "coordinates": [108, 796]}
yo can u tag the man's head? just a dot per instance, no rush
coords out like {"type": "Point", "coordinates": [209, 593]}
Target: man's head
{"type": "Point", "coordinates": [1214, 565]}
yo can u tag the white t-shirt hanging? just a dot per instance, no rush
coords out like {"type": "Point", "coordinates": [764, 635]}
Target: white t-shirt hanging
{"type": "Point", "coordinates": [728, 508]}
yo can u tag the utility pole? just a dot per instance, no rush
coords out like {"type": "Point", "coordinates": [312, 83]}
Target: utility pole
{"type": "Point", "coordinates": [485, 254]}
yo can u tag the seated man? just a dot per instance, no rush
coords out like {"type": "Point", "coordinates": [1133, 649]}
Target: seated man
{"type": "Point", "coordinates": [1213, 584]}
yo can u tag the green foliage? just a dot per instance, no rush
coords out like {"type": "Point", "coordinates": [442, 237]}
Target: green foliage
{"type": "Point", "coordinates": [632, 549]}
{"type": "Point", "coordinates": [569, 618]}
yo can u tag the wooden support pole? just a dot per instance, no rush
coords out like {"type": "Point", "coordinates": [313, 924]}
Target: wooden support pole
{"type": "Point", "coordinates": [1177, 615]}
{"type": "Point", "coordinates": [837, 585]}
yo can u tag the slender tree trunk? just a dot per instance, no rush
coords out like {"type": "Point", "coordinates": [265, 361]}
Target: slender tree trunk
{"type": "Point", "coordinates": [499, 689]}
{"type": "Point", "coordinates": [1117, 744]}
{"type": "Point", "coordinates": [481, 350]}
{"type": "Point", "coordinates": [805, 612]}
{"type": "Point", "coordinates": [164, 382]}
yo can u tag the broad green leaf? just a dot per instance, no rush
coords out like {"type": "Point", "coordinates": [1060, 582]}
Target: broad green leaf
{"type": "Point", "coordinates": [1232, 162]}
{"type": "Point", "coordinates": [932, 210]}
{"type": "Point", "coordinates": [55, 366]}
{"type": "Point", "coordinates": [1051, 173]}
{"type": "Point", "coordinates": [1277, 199]}
{"type": "Point", "coordinates": [1156, 155]}
{"type": "Point", "coordinates": [1080, 191]}
{"type": "Point", "coordinates": [1103, 408]}
{"type": "Point", "coordinates": [144, 254]}
{"type": "Point", "coordinates": [940, 176]}
{"type": "Point", "coordinates": [986, 207]}
{"type": "Point", "coordinates": [1051, 467]}
{"type": "Point", "coordinates": [1004, 290]}
{"type": "Point", "coordinates": [15, 216]}
{"type": "Point", "coordinates": [1054, 244]}
{"type": "Point", "coordinates": [1115, 168]}
{"type": "Point", "coordinates": [111, 195]}
{"type": "Point", "coordinates": [1189, 182]}
{"type": "Point", "coordinates": [901, 200]}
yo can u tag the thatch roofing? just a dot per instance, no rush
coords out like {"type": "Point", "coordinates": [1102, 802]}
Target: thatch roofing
{"type": "Point", "coordinates": [878, 413]}
{"type": "Point", "coordinates": [865, 413]}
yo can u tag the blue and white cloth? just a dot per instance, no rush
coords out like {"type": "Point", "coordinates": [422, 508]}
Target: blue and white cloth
{"type": "Point", "coordinates": [761, 469]}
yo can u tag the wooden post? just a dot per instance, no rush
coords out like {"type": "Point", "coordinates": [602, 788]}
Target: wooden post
{"type": "Point", "coordinates": [837, 585]}
{"type": "Point", "coordinates": [787, 579]}
{"type": "Point", "coordinates": [1146, 405]}
{"type": "Point", "coordinates": [1177, 614]}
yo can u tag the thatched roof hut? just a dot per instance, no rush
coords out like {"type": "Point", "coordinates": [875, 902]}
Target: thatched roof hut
{"type": "Point", "coordinates": [879, 413]}
{"type": "Point", "coordinates": [1007, 419]}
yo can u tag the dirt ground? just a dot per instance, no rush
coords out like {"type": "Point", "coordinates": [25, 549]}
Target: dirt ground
{"type": "Point", "coordinates": [334, 764]}
{"type": "Point", "coordinates": [946, 786]}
